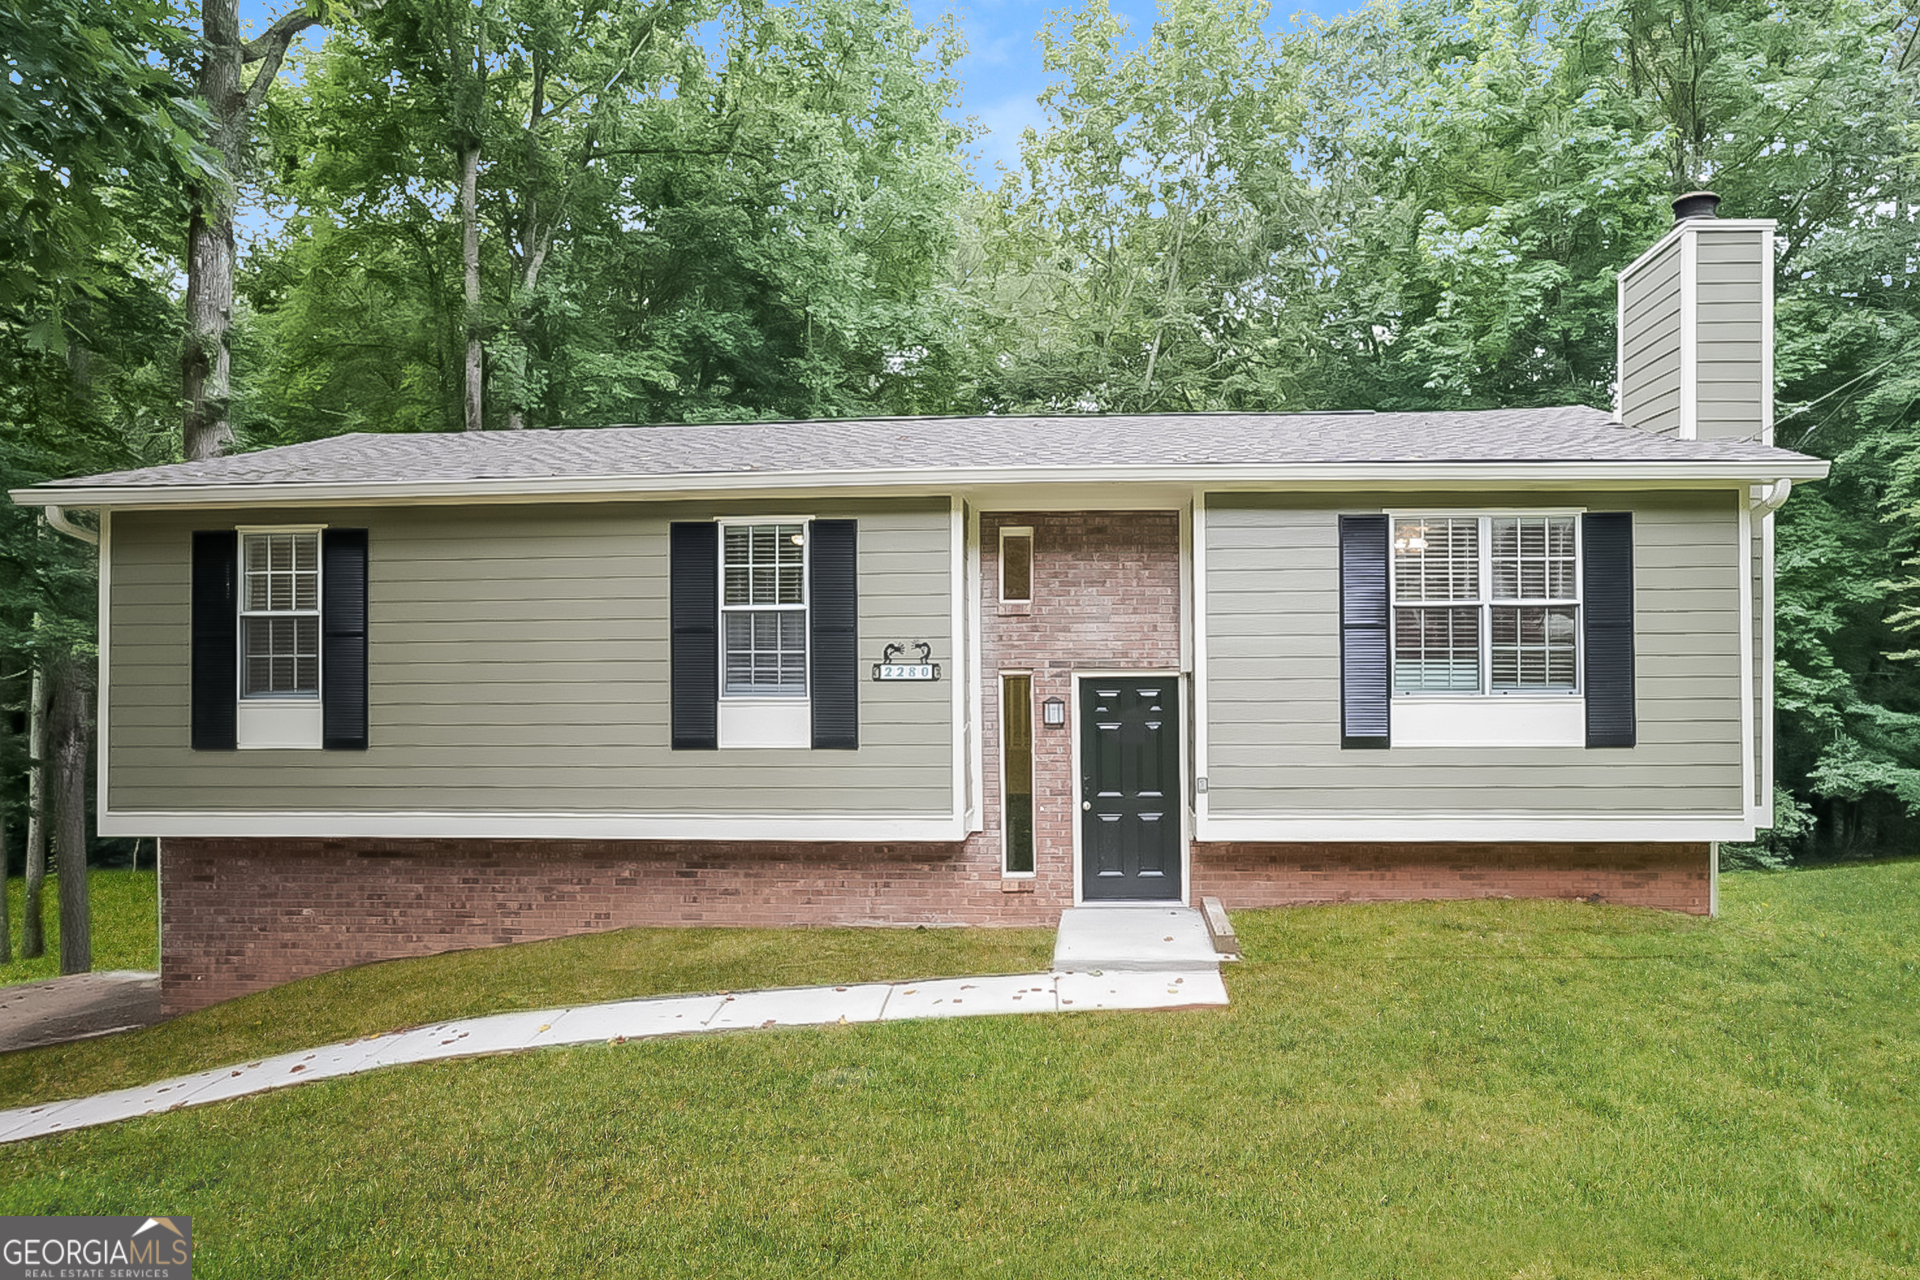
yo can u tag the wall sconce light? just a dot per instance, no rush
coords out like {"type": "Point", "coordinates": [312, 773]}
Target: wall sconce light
{"type": "Point", "coordinates": [1053, 713]}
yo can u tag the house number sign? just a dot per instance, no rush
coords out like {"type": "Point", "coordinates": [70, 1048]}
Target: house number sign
{"type": "Point", "coordinates": [891, 668]}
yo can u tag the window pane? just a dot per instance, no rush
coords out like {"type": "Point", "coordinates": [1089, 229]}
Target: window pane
{"type": "Point", "coordinates": [1016, 757]}
{"type": "Point", "coordinates": [766, 652]}
{"type": "Point", "coordinates": [1533, 558]}
{"type": "Point", "coordinates": [281, 656]}
{"type": "Point", "coordinates": [1016, 567]}
{"type": "Point", "coordinates": [1533, 647]}
{"type": "Point", "coordinates": [282, 572]}
{"type": "Point", "coordinates": [1436, 649]}
{"type": "Point", "coordinates": [1436, 558]}
{"type": "Point", "coordinates": [764, 564]}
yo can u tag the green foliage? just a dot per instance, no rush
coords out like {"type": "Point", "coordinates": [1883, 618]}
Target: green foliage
{"type": "Point", "coordinates": [95, 131]}
{"type": "Point", "coordinates": [668, 236]}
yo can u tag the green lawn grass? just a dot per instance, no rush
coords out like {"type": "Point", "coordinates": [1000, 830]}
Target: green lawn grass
{"type": "Point", "coordinates": [1516, 1089]}
{"type": "Point", "coordinates": [126, 925]}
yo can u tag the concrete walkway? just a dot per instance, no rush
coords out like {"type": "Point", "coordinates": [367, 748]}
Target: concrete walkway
{"type": "Point", "coordinates": [33, 1014]}
{"type": "Point", "coordinates": [1059, 992]}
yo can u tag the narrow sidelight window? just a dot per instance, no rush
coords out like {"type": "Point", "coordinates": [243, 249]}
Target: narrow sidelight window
{"type": "Point", "coordinates": [280, 616]}
{"type": "Point", "coordinates": [1016, 771]}
{"type": "Point", "coordinates": [1016, 566]}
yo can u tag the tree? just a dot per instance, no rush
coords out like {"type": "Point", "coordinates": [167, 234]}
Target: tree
{"type": "Point", "coordinates": [1146, 256]}
{"type": "Point", "coordinates": [206, 357]}
{"type": "Point", "coordinates": [663, 234]}
{"type": "Point", "coordinates": [97, 137]}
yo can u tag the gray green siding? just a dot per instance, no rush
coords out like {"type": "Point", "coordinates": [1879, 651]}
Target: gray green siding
{"type": "Point", "coordinates": [1731, 313]}
{"type": "Point", "coordinates": [1730, 388]}
{"type": "Point", "coordinates": [518, 661]}
{"type": "Point", "coordinates": [1273, 676]}
{"type": "Point", "coordinates": [1650, 344]}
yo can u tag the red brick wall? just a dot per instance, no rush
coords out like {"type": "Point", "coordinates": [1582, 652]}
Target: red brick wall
{"type": "Point", "coordinates": [241, 915]}
{"type": "Point", "coordinates": [1106, 597]}
{"type": "Point", "coordinates": [1677, 877]}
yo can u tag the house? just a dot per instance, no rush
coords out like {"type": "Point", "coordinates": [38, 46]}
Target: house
{"type": "Point", "coordinates": [386, 695]}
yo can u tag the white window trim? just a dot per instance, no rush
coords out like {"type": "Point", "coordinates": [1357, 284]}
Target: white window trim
{"type": "Point", "coordinates": [1006, 828]}
{"type": "Point", "coordinates": [760, 721]}
{"type": "Point", "coordinates": [1015, 531]}
{"type": "Point", "coordinates": [278, 721]}
{"type": "Point", "coordinates": [1486, 693]}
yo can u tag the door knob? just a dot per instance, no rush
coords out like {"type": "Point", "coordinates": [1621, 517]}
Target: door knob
{"type": "Point", "coordinates": [1086, 804]}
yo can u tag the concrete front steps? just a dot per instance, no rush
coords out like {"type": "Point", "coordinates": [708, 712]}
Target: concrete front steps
{"type": "Point", "coordinates": [1148, 937]}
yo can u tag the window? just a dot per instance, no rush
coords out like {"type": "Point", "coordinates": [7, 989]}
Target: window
{"type": "Point", "coordinates": [280, 615]}
{"type": "Point", "coordinates": [1486, 604]}
{"type": "Point", "coordinates": [763, 610]}
{"type": "Point", "coordinates": [1016, 566]}
{"type": "Point", "coordinates": [1016, 773]}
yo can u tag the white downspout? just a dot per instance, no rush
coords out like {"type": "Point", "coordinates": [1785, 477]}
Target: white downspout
{"type": "Point", "coordinates": [1772, 497]}
{"type": "Point", "coordinates": [58, 519]}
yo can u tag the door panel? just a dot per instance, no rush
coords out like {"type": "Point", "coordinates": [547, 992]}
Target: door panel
{"type": "Point", "coordinates": [1129, 788]}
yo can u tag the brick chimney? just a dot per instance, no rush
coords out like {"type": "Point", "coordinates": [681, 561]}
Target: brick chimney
{"type": "Point", "coordinates": [1695, 353]}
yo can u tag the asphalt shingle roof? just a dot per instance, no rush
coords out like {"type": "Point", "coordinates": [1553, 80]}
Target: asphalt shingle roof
{"type": "Point", "coordinates": [950, 445]}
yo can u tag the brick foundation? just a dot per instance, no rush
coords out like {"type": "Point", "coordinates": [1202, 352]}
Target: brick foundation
{"type": "Point", "coordinates": [1675, 877]}
{"type": "Point", "coordinates": [242, 915]}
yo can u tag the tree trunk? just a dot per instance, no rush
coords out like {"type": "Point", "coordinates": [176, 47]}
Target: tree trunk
{"type": "Point", "coordinates": [33, 928]}
{"type": "Point", "coordinates": [6, 914]}
{"type": "Point", "coordinates": [469, 158]}
{"type": "Point", "coordinates": [206, 358]}
{"type": "Point", "coordinates": [534, 254]}
{"type": "Point", "coordinates": [68, 739]}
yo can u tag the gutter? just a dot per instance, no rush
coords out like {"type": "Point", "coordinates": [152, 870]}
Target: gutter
{"type": "Point", "coordinates": [1773, 497]}
{"type": "Point", "coordinates": [1371, 476]}
{"type": "Point", "coordinates": [57, 517]}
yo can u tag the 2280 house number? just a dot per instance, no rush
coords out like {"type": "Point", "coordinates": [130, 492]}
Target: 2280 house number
{"type": "Point", "coordinates": [906, 671]}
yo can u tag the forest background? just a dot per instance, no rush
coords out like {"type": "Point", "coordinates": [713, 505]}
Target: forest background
{"type": "Point", "coordinates": [523, 214]}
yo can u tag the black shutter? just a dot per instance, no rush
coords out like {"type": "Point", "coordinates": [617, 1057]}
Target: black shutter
{"type": "Point", "coordinates": [216, 626]}
{"type": "Point", "coordinates": [343, 639]}
{"type": "Point", "coordinates": [694, 612]}
{"type": "Point", "coordinates": [1364, 693]}
{"type": "Point", "coordinates": [1607, 541]}
{"type": "Point", "coordinates": [833, 635]}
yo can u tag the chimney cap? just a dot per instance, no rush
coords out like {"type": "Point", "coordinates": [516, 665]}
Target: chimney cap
{"type": "Point", "coordinates": [1695, 204]}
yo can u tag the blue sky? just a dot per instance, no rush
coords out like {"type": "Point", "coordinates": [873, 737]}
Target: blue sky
{"type": "Point", "coordinates": [1001, 74]}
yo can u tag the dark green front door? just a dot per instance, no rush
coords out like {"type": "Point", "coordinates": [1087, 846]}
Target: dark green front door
{"type": "Point", "coordinates": [1130, 788]}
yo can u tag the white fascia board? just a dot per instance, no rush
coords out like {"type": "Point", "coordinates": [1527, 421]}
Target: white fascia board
{"type": "Point", "coordinates": [291, 825]}
{"type": "Point", "coordinates": [1680, 229]}
{"type": "Point", "coordinates": [1472, 828]}
{"type": "Point", "coordinates": [1341, 475]}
